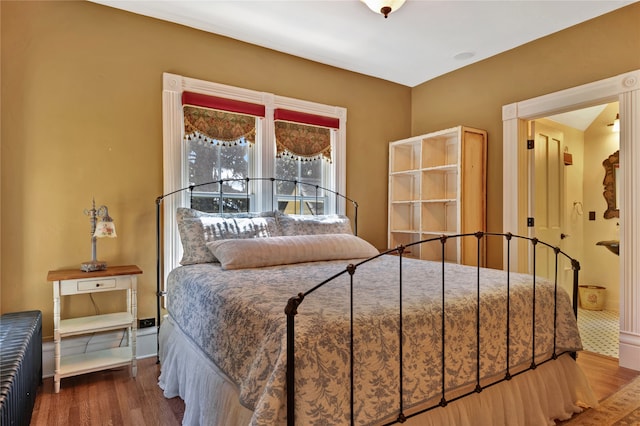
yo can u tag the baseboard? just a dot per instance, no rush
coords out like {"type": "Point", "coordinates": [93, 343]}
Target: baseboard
{"type": "Point", "coordinates": [146, 346]}
{"type": "Point", "coordinates": [629, 350]}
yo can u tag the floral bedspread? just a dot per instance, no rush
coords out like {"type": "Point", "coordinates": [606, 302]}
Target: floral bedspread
{"type": "Point", "coordinates": [237, 318]}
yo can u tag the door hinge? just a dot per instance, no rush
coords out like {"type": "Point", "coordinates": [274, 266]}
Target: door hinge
{"type": "Point", "coordinates": [530, 222]}
{"type": "Point", "coordinates": [530, 144]}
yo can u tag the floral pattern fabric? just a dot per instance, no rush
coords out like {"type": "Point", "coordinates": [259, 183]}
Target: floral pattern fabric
{"type": "Point", "coordinates": [213, 125]}
{"type": "Point", "coordinates": [197, 228]}
{"type": "Point", "coordinates": [237, 319]}
{"type": "Point", "coordinates": [297, 224]}
{"type": "Point", "coordinates": [302, 141]}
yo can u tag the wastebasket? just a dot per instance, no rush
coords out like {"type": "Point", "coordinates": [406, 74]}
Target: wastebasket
{"type": "Point", "coordinates": [592, 297]}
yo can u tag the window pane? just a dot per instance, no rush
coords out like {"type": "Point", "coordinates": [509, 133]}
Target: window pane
{"type": "Point", "coordinates": [211, 204]}
{"type": "Point", "coordinates": [286, 168]}
{"type": "Point", "coordinates": [301, 171]}
{"type": "Point", "coordinates": [213, 162]}
{"type": "Point", "coordinates": [303, 198]}
{"type": "Point", "coordinates": [234, 164]}
{"type": "Point", "coordinates": [203, 161]}
{"type": "Point", "coordinates": [311, 173]}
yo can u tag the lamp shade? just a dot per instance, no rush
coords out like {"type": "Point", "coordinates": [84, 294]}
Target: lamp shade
{"type": "Point", "coordinates": [384, 7]}
{"type": "Point", "coordinates": [105, 229]}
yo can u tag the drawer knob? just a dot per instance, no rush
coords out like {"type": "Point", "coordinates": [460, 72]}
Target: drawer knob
{"type": "Point", "coordinates": [98, 284]}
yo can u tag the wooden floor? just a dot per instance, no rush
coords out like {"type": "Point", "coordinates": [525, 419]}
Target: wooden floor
{"type": "Point", "coordinates": [112, 398]}
{"type": "Point", "coordinates": [604, 374]}
{"type": "Point", "coordinates": [108, 397]}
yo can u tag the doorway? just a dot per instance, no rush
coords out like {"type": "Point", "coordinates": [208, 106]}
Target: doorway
{"type": "Point", "coordinates": [625, 89]}
{"type": "Point", "coordinates": [589, 137]}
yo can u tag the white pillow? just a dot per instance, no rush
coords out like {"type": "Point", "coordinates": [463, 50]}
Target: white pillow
{"type": "Point", "coordinates": [197, 228]}
{"type": "Point", "coordinates": [283, 250]}
{"type": "Point", "coordinates": [294, 224]}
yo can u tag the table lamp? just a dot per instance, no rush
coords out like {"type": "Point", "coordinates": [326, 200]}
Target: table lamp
{"type": "Point", "coordinates": [102, 226]}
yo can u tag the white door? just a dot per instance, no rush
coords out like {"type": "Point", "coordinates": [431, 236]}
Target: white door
{"type": "Point", "coordinates": [546, 199]}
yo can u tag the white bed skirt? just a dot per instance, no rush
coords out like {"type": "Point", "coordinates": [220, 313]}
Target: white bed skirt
{"type": "Point", "coordinates": [555, 390]}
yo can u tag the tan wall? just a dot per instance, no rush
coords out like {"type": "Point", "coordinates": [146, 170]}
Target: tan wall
{"type": "Point", "coordinates": [474, 95]}
{"type": "Point", "coordinates": [81, 115]}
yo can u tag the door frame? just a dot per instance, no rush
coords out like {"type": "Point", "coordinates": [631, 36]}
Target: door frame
{"type": "Point", "coordinates": [624, 88]}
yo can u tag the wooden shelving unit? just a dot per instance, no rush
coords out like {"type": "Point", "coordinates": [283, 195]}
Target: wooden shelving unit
{"type": "Point", "coordinates": [437, 186]}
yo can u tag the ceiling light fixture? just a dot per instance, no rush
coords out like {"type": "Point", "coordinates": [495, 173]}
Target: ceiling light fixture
{"type": "Point", "coordinates": [384, 7]}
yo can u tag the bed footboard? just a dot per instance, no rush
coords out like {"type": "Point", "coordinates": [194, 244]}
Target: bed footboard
{"type": "Point", "coordinates": [533, 355]}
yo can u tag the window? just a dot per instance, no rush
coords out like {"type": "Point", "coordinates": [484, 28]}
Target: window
{"type": "Point", "coordinates": [215, 161]}
{"type": "Point", "coordinates": [194, 155]}
{"type": "Point", "coordinates": [307, 200]}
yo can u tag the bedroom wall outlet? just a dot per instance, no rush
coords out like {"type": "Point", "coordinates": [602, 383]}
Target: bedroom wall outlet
{"type": "Point", "coordinates": [146, 322]}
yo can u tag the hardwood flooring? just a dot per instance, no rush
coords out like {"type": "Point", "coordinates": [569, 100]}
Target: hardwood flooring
{"type": "Point", "coordinates": [108, 397]}
{"type": "Point", "coordinates": [604, 374]}
{"type": "Point", "coordinates": [111, 397]}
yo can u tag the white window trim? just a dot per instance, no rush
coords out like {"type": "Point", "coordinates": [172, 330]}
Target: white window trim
{"type": "Point", "coordinates": [175, 174]}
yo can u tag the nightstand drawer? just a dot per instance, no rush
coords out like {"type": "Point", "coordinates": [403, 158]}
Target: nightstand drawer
{"type": "Point", "coordinates": [96, 284]}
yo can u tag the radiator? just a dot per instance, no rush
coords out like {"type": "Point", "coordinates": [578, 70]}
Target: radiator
{"type": "Point", "coordinates": [20, 365]}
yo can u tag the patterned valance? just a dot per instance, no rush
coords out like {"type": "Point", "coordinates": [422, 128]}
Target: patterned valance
{"type": "Point", "coordinates": [303, 136]}
{"type": "Point", "coordinates": [216, 126]}
{"type": "Point", "coordinates": [302, 142]}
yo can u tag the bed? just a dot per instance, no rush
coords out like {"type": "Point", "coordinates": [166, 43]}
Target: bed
{"type": "Point", "coordinates": [285, 319]}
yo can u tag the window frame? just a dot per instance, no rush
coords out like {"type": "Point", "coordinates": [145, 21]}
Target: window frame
{"type": "Point", "coordinates": [175, 171]}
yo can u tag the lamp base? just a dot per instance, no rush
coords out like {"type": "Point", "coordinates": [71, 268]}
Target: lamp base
{"type": "Point", "coordinates": [93, 265]}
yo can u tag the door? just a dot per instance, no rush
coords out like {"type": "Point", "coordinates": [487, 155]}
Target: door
{"type": "Point", "coordinates": [546, 195]}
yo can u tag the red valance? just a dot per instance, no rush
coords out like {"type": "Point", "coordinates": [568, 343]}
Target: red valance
{"type": "Point", "coordinates": [222, 104]}
{"type": "Point", "coordinates": [306, 118]}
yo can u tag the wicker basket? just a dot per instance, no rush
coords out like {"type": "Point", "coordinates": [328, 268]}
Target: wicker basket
{"type": "Point", "coordinates": [592, 297]}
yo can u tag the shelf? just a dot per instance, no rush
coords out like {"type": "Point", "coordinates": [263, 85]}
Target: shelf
{"type": "Point", "coordinates": [440, 184]}
{"type": "Point", "coordinates": [95, 361]}
{"type": "Point", "coordinates": [95, 323]}
{"type": "Point", "coordinates": [441, 169]}
{"type": "Point", "coordinates": [405, 216]}
{"type": "Point", "coordinates": [404, 186]}
{"type": "Point", "coordinates": [439, 217]}
{"type": "Point", "coordinates": [440, 200]}
{"type": "Point", "coordinates": [441, 150]}
{"type": "Point", "coordinates": [406, 156]}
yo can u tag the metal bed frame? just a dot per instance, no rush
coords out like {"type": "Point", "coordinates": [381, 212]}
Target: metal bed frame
{"type": "Point", "coordinates": [294, 304]}
{"type": "Point", "coordinates": [298, 185]}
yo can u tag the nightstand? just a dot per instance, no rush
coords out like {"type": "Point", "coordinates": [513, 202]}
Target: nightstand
{"type": "Point", "coordinates": [74, 282]}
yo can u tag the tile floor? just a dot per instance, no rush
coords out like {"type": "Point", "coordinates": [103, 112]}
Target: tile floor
{"type": "Point", "coordinates": [599, 331]}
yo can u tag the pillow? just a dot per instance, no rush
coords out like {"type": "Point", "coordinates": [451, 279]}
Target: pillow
{"type": "Point", "coordinates": [196, 228]}
{"type": "Point", "coordinates": [185, 212]}
{"type": "Point", "coordinates": [293, 224]}
{"type": "Point", "coordinates": [284, 250]}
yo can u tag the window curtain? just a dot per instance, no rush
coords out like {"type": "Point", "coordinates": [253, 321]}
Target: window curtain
{"type": "Point", "coordinates": [218, 120]}
{"type": "Point", "coordinates": [303, 136]}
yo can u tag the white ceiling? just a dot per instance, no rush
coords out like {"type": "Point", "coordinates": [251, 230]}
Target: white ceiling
{"type": "Point", "coordinates": [422, 40]}
{"type": "Point", "coordinates": [579, 119]}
